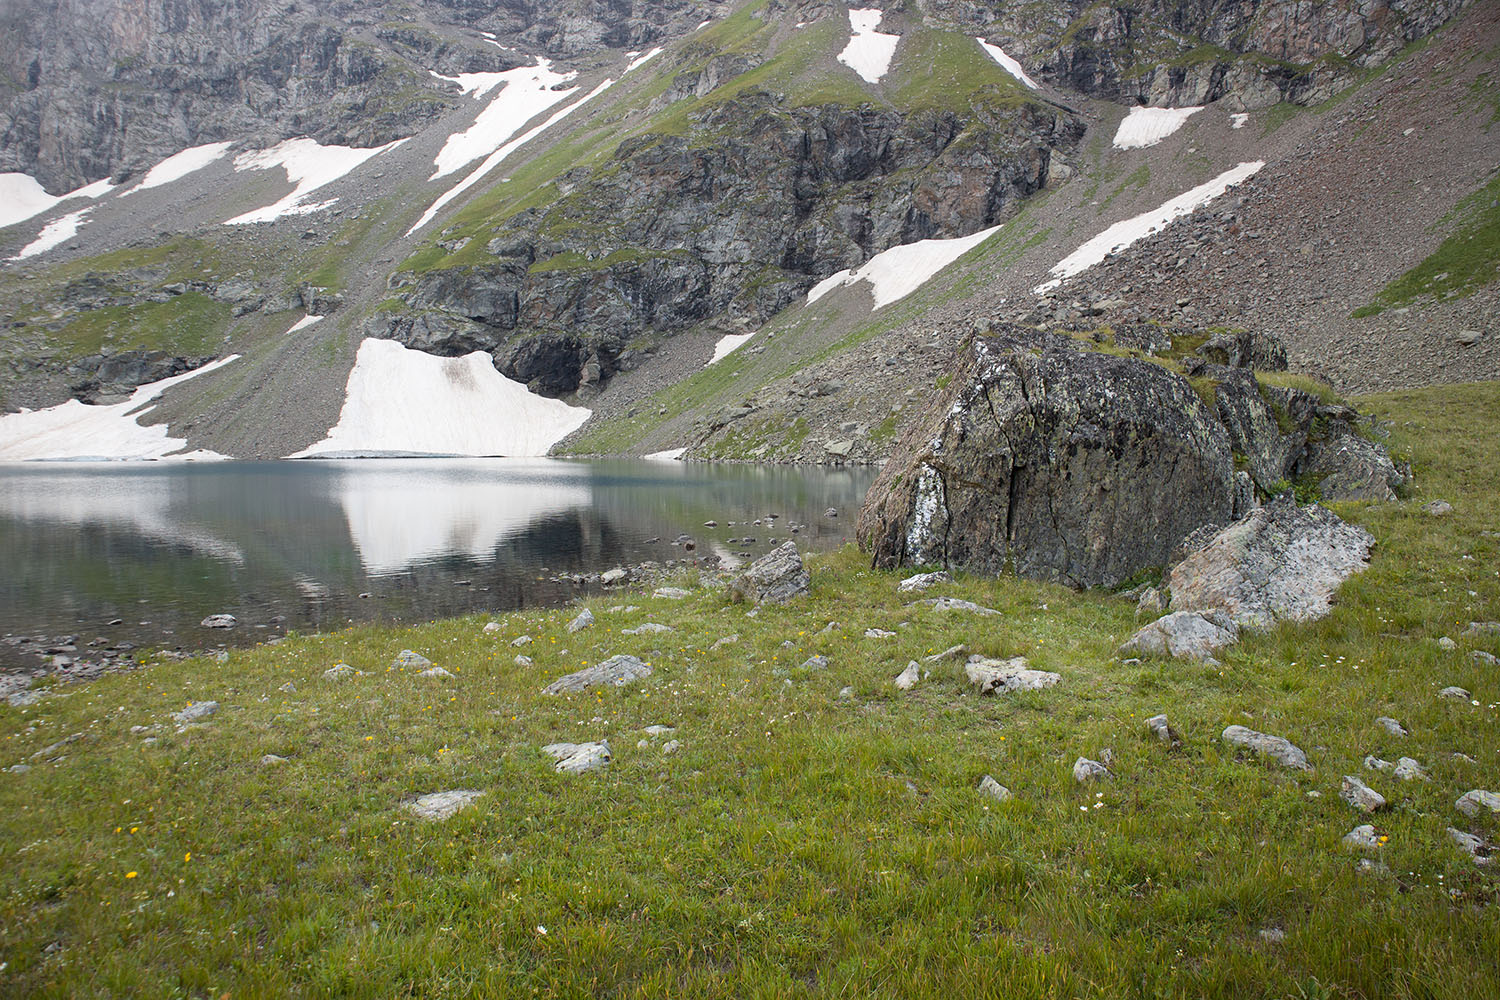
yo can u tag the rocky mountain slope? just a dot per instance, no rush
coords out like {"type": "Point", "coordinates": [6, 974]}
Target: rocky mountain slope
{"type": "Point", "coordinates": [607, 199]}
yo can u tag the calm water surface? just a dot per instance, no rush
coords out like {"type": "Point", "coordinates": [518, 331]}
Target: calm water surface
{"type": "Point", "coordinates": [320, 544]}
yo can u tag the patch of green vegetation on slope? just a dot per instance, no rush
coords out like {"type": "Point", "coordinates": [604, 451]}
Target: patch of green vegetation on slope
{"type": "Point", "coordinates": [797, 843]}
{"type": "Point", "coordinates": [1465, 262]}
{"type": "Point", "coordinates": [188, 324]}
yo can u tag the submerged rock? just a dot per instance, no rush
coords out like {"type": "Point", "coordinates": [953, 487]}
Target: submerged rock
{"type": "Point", "coordinates": [617, 671]}
{"type": "Point", "coordinates": [219, 621]}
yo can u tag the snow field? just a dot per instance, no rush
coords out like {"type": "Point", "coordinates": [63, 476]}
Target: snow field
{"type": "Point", "coordinates": [498, 156]}
{"type": "Point", "coordinates": [670, 455]}
{"type": "Point", "coordinates": [1008, 64]}
{"type": "Point", "coordinates": [1238, 120]}
{"type": "Point", "coordinates": [525, 93]}
{"type": "Point", "coordinates": [309, 166]}
{"type": "Point", "coordinates": [55, 233]}
{"type": "Point", "coordinates": [895, 273]}
{"type": "Point", "coordinates": [403, 401]}
{"type": "Point", "coordinates": [22, 197]}
{"type": "Point", "coordinates": [869, 52]}
{"type": "Point", "coordinates": [641, 60]}
{"type": "Point", "coordinates": [179, 165]}
{"type": "Point", "coordinates": [75, 430]}
{"type": "Point", "coordinates": [1123, 234]}
{"type": "Point", "coordinates": [303, 323]}
{"type": "Point", "coordinates": [1147, 126]}
{"type": "Point", "coordinates": [727, 345]}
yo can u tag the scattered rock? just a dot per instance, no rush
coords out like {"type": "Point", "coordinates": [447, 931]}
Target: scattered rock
{"type": "Point", "coordinates": [775, 578]}
{"type": "Point", "coordinates": [1455, 694]}
{"type": "Point", "coordinates": [1183, 634]}
{"type": "Point", "coordinates": [659, 730]}
{"type": "Point", "coordinates": [437, 672]}
{"type": "Point", "coordinates": [1374, 763]}
{"type": "Point", "coordinates": [1272, 935]}
{"type": "Point", "coordinates": [583, 621]}
{"type": "Point", "coordinates": [907, 679]}
{"type": "Point", "coordinates": [1437, 508]}
{"type": "Point", "coordinates": [1280, 750]}
{"type": "Point", "coordinates": [922, 581]}
{"type": "Point", "coordinates": [845, 693]}
{"type": "Point", "coordinates": [954, 604]}
{"type": "Point", "coordinates": [407, 658]}
{"type": "Point", "coordinates": [727, 640]}
{"type": "Point", "coordinates": [1391, 726]}
{"type": "Point", "coordinates": [617, 671]}
{"type": "Point", "coordinates": [522, 660]}
{"type": "Point", "coordinates": [878, 633]}
{"type": "Point", "coordinates": [1409, 770]}
{"type": "Point", "coordinates": [1468, 338]}
{"type": "Point", "coordinates": [21, 699]}
{"type": "Point", "coordinates": [1085, 770]}
{"type": "Point", "coordinates": [1360, 796]}
{"type": "Point", "coordinates": [671, 746]}
{"type": "Point", "coordinates": [670, 593]}
{"type": "Point", "coordinates": [1446, 644]}
{"type": "Point", "coordinates": [271, 760]}
{"type": "Point", "coordinates": [1484, 659]}
{"type": "Point", "coordinates": [1482, 628]}
{"type": "Point", "coordinates": [1163, 731]}
{"type": "Point", "coordinates": [1362, 838]}
{"type": "Point", "coordinates": [339, 671]}
{"type": "Point", "coordinates": [441, 805]}
{"type": "Point", "coordinates": [1475, 801]}
{"type": "Point", "coordinates": [521, 640]}
{"type": "Point", "coordinates": [219, 621]}
{"type": "Point", "coordinates": [648, 628]}
{"type": "Point", "coordinates": [1151, 604]}
{"type": "Point", "coordinates": [1004, 676]}
{"type": "Point", "coordinates": [614, 576]}
{"type": "Point", "coordinates": [1471, 845]}
{"type": "Point", "coordinates": [815, 663]}
{"type": "Point", "coordinates": [576, 758]}
{"type": "Point", "coordinates": [951, 653]}
{"type": "Point", "coordinates": [989, 786]}
{"type": "Point", "coordinates": [1280, 562]}
{"type": "Point", "coordinates": [491, 627]}
{"type": "Point", "coordinates": [196, 712]}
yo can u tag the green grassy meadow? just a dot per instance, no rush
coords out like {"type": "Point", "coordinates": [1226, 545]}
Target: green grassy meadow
{"type": "Point", "coordinates": [799, 843]}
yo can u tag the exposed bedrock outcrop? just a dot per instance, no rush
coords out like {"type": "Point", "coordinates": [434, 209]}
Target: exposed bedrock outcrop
{"type": "Point", "coordinates": [1060, 461]}
{"type": "Point", "coordinates": [738, 217]}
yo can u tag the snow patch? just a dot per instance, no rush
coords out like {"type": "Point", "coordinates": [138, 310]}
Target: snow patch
{"type": "Point", "coordinates": [670, 455]}
{"type": "Point", "coordinates": [1122, 234]}
{"type": "Point", "coordinates": [1147, 126]}
{"type": "Point", "coordinates": [869, 52]}
{"type": "Point", "coordinates": [406, 402]}
{"type": "Point", "coordinates": [643, 60]}
{"type": "Point", "coordinates": [304, 323]}
{"type": "Point", "coordinates": [498, 156]}
{"type": "Point", "coordinates": [527, 92]}
{"type": "Point", "coordinates": [22, 197]}
{"type": "Point", "coordinates": [1238, 120]}
{"type": "Point", "coordinates": [310, 166]}
{"type": "Point", "coordinates": [1007, 63]}
{"type": "Point", "coordinates": [77, 431]}
{"type": "Point", "coordinates": [475, 84]}
{"type": "Point", "coordinates": [55, 233]}
{"type": "Point", "coordinates": [899, 271]}
{"type": "Point", "coordinates": [179, 165]}
{"type": "Point", "coordinates": [727, 345]}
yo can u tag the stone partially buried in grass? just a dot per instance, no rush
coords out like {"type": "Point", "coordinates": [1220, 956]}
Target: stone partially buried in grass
{"type": "Point", "coordinates": [1183, 635]}
{"type": "Point", "coordinates": [774, 578]}
{"type": "Point", "coordinates": [196, 712]}
{"type": "Point", "coordinates": [1282, 751]}
{"type": "Point", "coordinates": [576, 758]}
{"type": "Point", "coordinates": [407, 658]}
{"type": "Point", "coordinates": [617, 671]}
{"type": "Point", "coordinates": [441, 805]}
{"type": "Point", "coordinates": [1005, 676]}
{"type": "Point", "coordinates": [1476, 801]}
{"type": "Point", "coordinates": [1360, 796]}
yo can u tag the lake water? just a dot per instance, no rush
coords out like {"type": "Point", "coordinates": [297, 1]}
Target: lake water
{"type": "Point", "coordinates": [316, 545]}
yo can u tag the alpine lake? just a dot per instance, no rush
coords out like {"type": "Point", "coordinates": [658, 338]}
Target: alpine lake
{"type": "Point", "coordinates": [112, 556]}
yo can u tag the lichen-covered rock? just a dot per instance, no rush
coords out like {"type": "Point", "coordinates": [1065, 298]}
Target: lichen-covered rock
{"type": "Point", "coordinates": [1347, 466]}
{"type": "Point", "coordinates": [1002, 676]}
{"type": "Point", "coordinates": [576, 758]}
{"type": "Point", "coordinates": [1279, 749]}
{"type": "Point", "coordinates": [441, 805]}
{"type": "Point", "coordinates": [1280, 562]}
{"type": "Point", "coordinates": [1183, 635]}
{"type": "Point", "coordinates": [617, 671]}
{"type": "Point", "coordinates": [1360, 796]}
{"type": "Point", "coordinates": [1475, 801]}
{"type": "Point", "coordinates": [1059, 462]}
{"type": "Point", "coordinates": [774, 578]}
{"type": "Point", "coordinates": [992, 788]}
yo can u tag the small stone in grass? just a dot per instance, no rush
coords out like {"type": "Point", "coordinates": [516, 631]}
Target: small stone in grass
{"type": "Point", "coordinates": [922, 581]}
{"type": "Point", "coordinates": [339, 671]}
{"type": "Point", "coordinates": [1455, 693]}
{"type": "Point", "coordinates": [576, 758]}
{"type": "Point", "coordinates": [671, 746]}
{"type": "Point", "coordinates": [492, 627]}
{"type": "Point", "coordinates": [1484, 659]}
{"type": "Point", "coordinates": [437, 672]}
{"type": "Point", "coordinates": [1085, 770]}
{"type": "Point", "coordinates": [1476, 801]}
{"type": "Point", "coordinates": [670, 593]}
{"type": "Point", "coordinates": [878, 633]}
{"type": "Point", "coordinates": [1409, 770]}
{"type": "Point", "coordinates": [1471, 845]}
{"type": "Point", "coordinates": [521, 640]}
{"type": "Point", "coordinates": [407, 658]}
{"type": "Point", "coordinates": [1360, 796]}
{"type": "Point", "coordinates": [1437, 508]}
{"type": "Point", "coordinates": [989, 786]}
{"type": "Point", "coordinates": [1362, 838]}
{"type": "Point", "coordinates": [522, 660]}
{"type": "Point", "coordinates": [196, 712]}
{"type": "Point", "coordinates": [271, 760]}
{"type": "Point", "coordinates": [1391, 726]}
{"type": "Point", "coordinates": [1272, 935]}
{"type": "Point", "coordinates": [907, 679]}
{"type": "Point", "coordinates": [815, 663]}
{"type": "Point", "coordinates": [951, 653]}
{"type": "Point", "coordinates": [1446, 644]}
{"type": "Point", "coordinates": [441, 805]}
{"type": "Point", "coordinates": [1163, 730]}
{"type": "Point", "coordinates": [583, 621]}
{"type": "Point", "coordinates": [1282, 751]}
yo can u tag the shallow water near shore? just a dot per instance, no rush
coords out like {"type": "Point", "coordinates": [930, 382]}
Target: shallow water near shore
{"type": "Point", "coordinates": [156, 547]}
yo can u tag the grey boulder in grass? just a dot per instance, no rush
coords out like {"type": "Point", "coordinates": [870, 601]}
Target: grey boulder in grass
{"type": "Point", "coordinates": [617, 671]}
{"type": "Point", "coordinates": [774, 578]}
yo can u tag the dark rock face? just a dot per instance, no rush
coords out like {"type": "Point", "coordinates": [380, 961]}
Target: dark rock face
{"type": "Point", "coordinates": [1054, 461]}
{"type": "Point", "coordinates": [100, 376]}
{"type": "Point", "coordinates": [1062, 463]}
{"type": "Point", "coordinates": [738, 217]}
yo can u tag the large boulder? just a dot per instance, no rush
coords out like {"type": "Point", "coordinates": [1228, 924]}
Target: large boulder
{"type": "Point", "coordinates": [1063, 460]}
{"type": "Point", "coordinates": [1060, 462]}
{"type": "Point", "coordinates": [775, 578]}
{"type": "Point", "coordinates": [1280, 562]}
